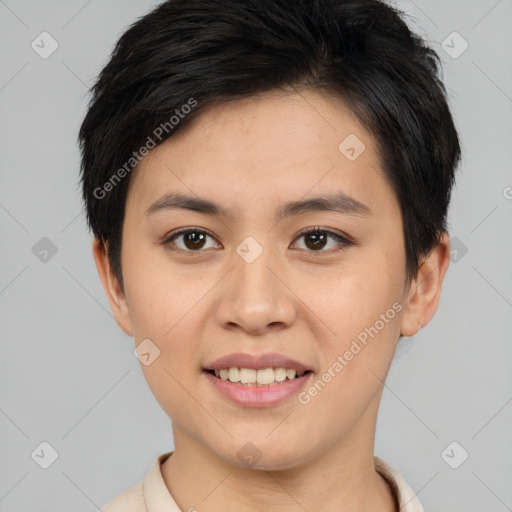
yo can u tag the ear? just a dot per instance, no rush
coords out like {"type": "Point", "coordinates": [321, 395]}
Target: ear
{"type": "Point", "coordinates": [115, 295]}
{"type": "Point", "coordinates": [425, 290]}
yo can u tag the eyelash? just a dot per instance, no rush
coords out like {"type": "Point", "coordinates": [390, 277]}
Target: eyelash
{"type": "Point", "coordinates": [345, 242]}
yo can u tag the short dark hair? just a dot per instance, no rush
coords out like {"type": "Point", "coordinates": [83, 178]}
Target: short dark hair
{"type": "Point", "coordinates": [188, 54]}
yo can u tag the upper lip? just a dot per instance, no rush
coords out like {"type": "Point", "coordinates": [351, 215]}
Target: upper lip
{"type": "Point", "coordinates": [257, 362]}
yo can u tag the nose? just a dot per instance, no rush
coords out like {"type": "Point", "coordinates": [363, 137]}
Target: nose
{"type": "Point", "coordinates": [255, 296]}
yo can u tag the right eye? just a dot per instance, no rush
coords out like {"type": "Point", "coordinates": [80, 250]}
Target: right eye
{"type": "Point", "coordinates": [192, 240]}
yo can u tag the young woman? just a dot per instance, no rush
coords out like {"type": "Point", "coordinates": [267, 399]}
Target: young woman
{"type": "Point", "coordinates": [267, 183]}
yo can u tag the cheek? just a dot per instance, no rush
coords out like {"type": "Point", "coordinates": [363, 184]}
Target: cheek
{"type": "Point", "coordinates": [164, 309]}
{"type": "Point", "coordinates": [357, 358]}
{"type": "Point", "coordinates": [160, 297]}
{"type": "Point", "coordinates": [355, 297]}
{"type": "Point", "coordinates": [363, 312]}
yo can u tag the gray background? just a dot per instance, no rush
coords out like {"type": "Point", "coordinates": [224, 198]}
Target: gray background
{"type": "Point", "coordinates": [68, 374]}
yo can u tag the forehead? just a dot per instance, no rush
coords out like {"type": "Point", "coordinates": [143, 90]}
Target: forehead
{"type": "Point", "coordinates": [253, 152]}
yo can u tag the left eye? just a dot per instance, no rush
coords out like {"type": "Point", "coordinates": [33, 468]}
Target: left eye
{"type": "Point", "coordinates": [194, 239]}
{"type": "Point", "coordinates": [317, 238]}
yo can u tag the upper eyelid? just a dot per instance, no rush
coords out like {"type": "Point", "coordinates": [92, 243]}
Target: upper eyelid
{"type": "Point", "coordinates": [188, 230]}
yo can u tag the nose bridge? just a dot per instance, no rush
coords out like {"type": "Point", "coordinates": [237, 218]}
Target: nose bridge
{"type": "Point", "coordinates": [252, 273]}
{"type": "Point", "coordinates": [255, 296]}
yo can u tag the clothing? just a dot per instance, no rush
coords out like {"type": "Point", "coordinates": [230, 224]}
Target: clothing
{"type": "Point", "coordinates": [151, 493]}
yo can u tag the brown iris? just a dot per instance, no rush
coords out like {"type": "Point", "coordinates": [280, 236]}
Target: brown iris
{"type": "Point", "coordinates": [319, 239]}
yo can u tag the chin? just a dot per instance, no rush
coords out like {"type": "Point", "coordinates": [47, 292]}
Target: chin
{"type": "Point", "coordinates": [259, 452]}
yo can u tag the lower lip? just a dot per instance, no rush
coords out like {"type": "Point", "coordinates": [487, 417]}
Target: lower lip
{"type": "Point", "coordinates": [258, 396]}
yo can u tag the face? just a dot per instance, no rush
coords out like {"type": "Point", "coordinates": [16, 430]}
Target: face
{"type": "Point", "coordinates": [232, 279]}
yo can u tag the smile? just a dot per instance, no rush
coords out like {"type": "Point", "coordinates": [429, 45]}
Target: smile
{"type": "Point", "coordinates": [254, 377]}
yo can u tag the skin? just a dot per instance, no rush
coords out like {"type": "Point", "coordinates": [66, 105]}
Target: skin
{"type": "Point", "coordinates": [251, 155]}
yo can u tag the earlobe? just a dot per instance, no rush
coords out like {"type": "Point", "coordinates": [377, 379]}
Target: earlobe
{"type": "Point", "coordinates": [115, 294]}
{"type": "Point", "coordinates": [424, 294]}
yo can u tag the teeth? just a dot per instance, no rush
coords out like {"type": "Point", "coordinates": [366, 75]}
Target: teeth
{"type": "Point", "coordinates": [250, 376]}
{"type": "Point", "coordinates": [291, 374]}
{"type": "Point", "coordinates": [265, 376]}
{"type": "Point", "coordinates": [279, 374]}
{"type": "Point", "coordinates": [234, 375]}
{"type": "Point", "coordinates": [247, 376]}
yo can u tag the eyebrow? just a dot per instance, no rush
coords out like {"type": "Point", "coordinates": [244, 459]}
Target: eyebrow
{"type": "Point", "coordinates": [338, 202]}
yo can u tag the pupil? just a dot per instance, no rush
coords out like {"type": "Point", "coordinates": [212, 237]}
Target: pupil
{"type": "Point", "coordinates": [319, 239]}
{"type": "Point", "coordinates": [193, 238]}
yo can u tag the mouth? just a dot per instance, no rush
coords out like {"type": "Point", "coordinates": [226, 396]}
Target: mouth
{"type": "Point", "coordinates": [257, 377]}
{"type": "Point", "coordinates": [261, 380]}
